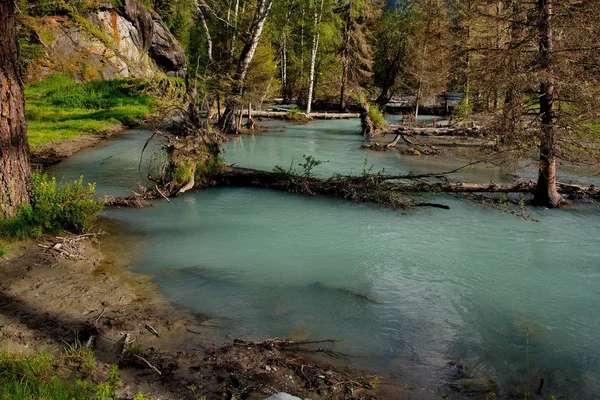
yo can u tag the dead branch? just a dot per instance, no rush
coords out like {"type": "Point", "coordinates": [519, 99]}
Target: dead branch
{"type": "Point", "coordinates": [151, 330]}
{"type": "Point", "coordinates": [152, 367]}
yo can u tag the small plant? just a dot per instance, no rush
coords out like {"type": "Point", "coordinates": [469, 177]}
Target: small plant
{"type": "Point", "coordinates": [289, 172]}
{"type": "Point", "coordinates": [135, 349]}
{"type": "Point", "coordinates": [295, 114]}
{"type": "Point", "coordinates": [2, 252]}
{"type": "Point", "coordinates": [81, 355]}
{"type": "Point", "coordinates": [309, 164]}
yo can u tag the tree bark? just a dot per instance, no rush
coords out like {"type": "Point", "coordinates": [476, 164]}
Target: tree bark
{"type": "Point", "coordinates": [15, 172]}
{"type": "Point", "coordinates": [546, 193]}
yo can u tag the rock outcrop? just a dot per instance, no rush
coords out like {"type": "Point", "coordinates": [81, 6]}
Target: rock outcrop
{"type": "Point", "coordinates": [108, 42]}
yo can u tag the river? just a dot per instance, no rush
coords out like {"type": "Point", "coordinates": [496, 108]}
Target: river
{"type": "Point", "coordinates": [410, 293]}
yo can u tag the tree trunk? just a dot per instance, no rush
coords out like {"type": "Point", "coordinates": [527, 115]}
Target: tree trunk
{"type": "Point", "coordinates": [231, 120]}
{"type": "Point", "coordinates": [345, 57]}
{"type": "Point", "coordinates": [546, 193]}
{"type": "Point", "coordinates": [15, 172]}
{"type": "Point", "coordinates": [284, 78]}
{"type": "Point", "coordinates": [313, 55]}
{"type": "Point", "coordinates": [209, 43]}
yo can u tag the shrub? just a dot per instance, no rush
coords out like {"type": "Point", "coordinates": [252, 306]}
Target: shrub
{"type": "Point", "coordinates": [54, 208]}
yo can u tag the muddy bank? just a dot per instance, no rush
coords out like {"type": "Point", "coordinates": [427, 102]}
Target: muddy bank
{"type": "Point", "coordinates": [47, 299]}
{"type": "Point", "coordinates": [54, 152]}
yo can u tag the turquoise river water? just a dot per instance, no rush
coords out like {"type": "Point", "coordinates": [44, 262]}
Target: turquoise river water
{"type": "Point", "coordinates": [409, 293]}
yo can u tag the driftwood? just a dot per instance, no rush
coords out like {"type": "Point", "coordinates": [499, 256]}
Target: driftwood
{"type": "Point", "coordinates": [292, 345]}
{"type": "Point", "coordinates": [151, 330]}
{"type": "Point", "coordinates": [414, 148]}
{"type": "Point", "coordinates": [152, 367]}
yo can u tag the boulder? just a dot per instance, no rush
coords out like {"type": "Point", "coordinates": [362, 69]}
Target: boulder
{"type": "Point", "coordinates": [115, 42]}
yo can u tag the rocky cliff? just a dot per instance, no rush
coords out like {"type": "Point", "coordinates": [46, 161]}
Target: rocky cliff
{"type": "Point", "coordinates": [107, 42]}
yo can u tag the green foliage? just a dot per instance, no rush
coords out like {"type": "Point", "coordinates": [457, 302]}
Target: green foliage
{"type": "Point", "coordinates": [82, 356]}
{"type": "Point", "coordinates": [53, 208]}
{"type": "Point", "coordinates": [295, 114]}
{"type": "Point", "coordinates": [376, 116]}
{"type": "Point", "coordinates": [181, 174]}
{"type": "Point", "coordinates": [307, 167]}
{"type": "Point", "coordinates": [309, 164]}
{"type": "Point", "coordinates": [463, 110]}
{"type": "Point", "coordinates": [59, 108]}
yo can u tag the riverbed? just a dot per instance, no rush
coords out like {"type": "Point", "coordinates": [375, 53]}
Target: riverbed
{"type": "Point", "coordinates": [411, 294]}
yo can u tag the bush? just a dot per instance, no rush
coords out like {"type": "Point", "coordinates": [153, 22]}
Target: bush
{"type": "Point", "coordinates": [54, 208]}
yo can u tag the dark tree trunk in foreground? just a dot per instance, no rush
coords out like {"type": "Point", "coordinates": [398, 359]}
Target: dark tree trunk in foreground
{"type": "Point", "coordinates": [546, 193]}
{"type": "Point", "coordinates": [15, 172]}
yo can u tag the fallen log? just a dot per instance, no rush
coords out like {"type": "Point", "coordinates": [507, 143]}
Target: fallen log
{"type": "Point", "coordinates": [387, 190]}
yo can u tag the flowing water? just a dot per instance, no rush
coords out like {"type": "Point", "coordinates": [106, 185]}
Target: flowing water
{"type": "Point", "coordinates": [410, 294]}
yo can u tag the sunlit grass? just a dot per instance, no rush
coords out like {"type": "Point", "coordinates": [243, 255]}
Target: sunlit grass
{"type": "Point", "coordinates": [60, 109]}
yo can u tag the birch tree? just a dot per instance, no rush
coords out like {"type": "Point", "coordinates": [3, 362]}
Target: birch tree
{"type": "Point", "coordinates": [230, 121]}
{"type": "Point", "coordinates": [317, 16]}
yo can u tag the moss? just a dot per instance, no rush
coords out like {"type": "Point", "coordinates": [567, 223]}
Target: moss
{"type": "Point", "coordinates": [181, 174]}
{"type": "Point", "coordinates": [376, 116]}
{"type": "Point", "coordinates": [47, 37]}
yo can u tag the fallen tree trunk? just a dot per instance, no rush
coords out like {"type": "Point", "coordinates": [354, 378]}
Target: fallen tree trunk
{"type": "Point", "coordinates": [387, 190]}
{"type": "Point", "coordinates": [338, 185]}
{"type": "Point", "coordinates": [472, 131]}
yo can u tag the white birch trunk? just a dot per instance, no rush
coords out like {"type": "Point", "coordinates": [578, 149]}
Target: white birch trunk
{"type": "Point", "coordinates": [318, 11]}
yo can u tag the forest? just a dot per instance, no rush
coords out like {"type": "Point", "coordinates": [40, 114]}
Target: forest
{"type": "Point", "coordinates": [284, 199]}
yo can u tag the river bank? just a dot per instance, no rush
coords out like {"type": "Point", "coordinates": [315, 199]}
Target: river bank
{"type": "Point", "coordinates": [47, 300]}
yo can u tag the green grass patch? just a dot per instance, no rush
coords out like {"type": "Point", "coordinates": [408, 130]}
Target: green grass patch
{"type": "Point", "coordinates": [59, 108]}
{"type": "Point", "coordinates": [376, 116]}
{"type": "Point", "coordinates": [43, 376]}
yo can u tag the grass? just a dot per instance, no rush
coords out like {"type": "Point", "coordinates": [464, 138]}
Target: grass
{"type": "Point", "coordinates": [376, 116]}
{"type": "Point", "coordinates": [59, 108]}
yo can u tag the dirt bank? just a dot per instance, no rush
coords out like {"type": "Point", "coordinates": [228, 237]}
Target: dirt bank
{"type": "Point", "coordinates": [54, 152]}
{"type": "Point", "coordinates": [47, 299]}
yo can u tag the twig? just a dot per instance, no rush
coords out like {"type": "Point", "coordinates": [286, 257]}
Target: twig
{"type": "Point", "coordinates": [152, 367]}
{"type": "Point", "coordinates": [125, 343]}
{"type": "Point", "coordinates": [151, 330]}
